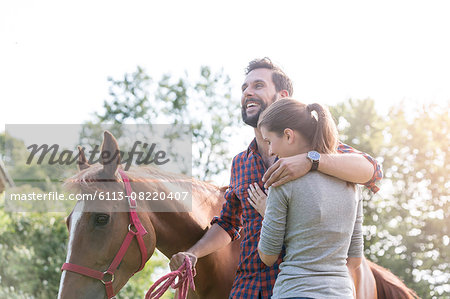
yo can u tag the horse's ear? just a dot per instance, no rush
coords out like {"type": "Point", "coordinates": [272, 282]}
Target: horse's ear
{"type": "Point", "coordinates": [82, 161]}
{"type": "Point", "coordinates": [110, 156]}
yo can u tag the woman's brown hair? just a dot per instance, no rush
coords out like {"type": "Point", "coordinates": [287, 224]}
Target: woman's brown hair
{"type": "Point", "coordinates": [319, 130]}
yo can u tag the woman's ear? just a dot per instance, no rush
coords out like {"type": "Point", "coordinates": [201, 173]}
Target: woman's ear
{"type": "Point", "coordinates": [289, 134]}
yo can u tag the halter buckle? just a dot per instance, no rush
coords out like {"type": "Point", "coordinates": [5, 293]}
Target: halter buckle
{"type": "Point", "coordinates": [131, 203]}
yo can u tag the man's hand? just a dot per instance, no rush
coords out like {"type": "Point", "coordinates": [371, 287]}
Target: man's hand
{"type": "Point", "coordinates": [286, 169]}
{"type": "Point", "coordinates": [257, 198]}
{"type": "Point", "coordinates": [178, 259]}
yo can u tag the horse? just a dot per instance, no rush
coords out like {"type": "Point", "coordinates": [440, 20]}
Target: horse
{"type": "Point", "coordinates": [96, 253]}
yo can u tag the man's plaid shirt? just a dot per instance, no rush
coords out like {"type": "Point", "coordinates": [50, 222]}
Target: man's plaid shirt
{"type": "Point", "coordinates": [253, 276]}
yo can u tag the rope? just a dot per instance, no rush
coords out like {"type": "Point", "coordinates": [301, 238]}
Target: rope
{"type": "Point", "coordinates": [185, 276]}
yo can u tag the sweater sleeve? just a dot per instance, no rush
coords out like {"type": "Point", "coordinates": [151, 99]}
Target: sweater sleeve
{"type": "Point", "coordinates": [357, 244]}
{"type": "Point", "coordinates": [274, 223]}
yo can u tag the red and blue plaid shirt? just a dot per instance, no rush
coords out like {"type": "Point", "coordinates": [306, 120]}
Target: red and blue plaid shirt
{"type": "Point", "coordinates": [253, 276]}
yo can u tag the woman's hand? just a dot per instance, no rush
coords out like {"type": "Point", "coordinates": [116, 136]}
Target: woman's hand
{"type": "Point", "coordinates": [257, 198]}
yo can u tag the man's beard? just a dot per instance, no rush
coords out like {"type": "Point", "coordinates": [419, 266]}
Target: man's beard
{"type": "Point", "coordinates": [253, 119]}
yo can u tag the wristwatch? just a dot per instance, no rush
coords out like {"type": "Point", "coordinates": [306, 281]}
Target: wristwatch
{"type": "Point", "coordinates": [314, 157]}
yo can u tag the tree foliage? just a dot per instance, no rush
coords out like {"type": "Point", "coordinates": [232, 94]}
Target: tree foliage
{"type": "Point", "coordinates": [406, 224]}
{"type": "Point", "coordinates": [202, 103]}
{"type": "Point", "coordinates": [32, 250]}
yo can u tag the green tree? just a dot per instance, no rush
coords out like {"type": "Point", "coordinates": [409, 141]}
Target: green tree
{"type": "Point", "coordinates": [32, 245]}
{"type": "Point", "coordinates": [359, 125]}
{"type": "Point", "coordinates": [203, 103]}
{"type": "Point", "coordinates": [405, 224]}
{"type": "Point", "coordinates": [32, 252]}
{"type": "Point", "coordinates": [44, 176]}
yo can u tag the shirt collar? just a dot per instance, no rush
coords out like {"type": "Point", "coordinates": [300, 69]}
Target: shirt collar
{"type": "Point", "coordinates": [253, 147]}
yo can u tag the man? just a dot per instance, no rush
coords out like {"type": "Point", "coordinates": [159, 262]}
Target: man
{"type": "Point", "coordinates": [264, 84]}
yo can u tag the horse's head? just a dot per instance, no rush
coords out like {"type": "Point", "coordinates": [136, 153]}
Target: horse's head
{"type": "Point", "coordinates": [98, 232]}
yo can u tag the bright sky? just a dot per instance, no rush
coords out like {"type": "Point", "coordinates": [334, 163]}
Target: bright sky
{"type": "Point", "coordinates": [56, 55]}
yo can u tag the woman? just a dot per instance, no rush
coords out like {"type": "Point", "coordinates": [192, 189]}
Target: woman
{"type": "Point", "coordinates": [316, 217]}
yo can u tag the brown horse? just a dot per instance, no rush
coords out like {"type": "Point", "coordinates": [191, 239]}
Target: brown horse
{"type": "Point", "coordinates": [95, 237]}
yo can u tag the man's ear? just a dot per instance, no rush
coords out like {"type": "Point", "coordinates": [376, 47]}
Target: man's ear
{"type": "Point", "coordinates": [284, 93]}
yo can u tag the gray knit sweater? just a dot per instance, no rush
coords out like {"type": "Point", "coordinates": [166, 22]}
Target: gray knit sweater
{"type": "Point", "coordinates": [319, 219]}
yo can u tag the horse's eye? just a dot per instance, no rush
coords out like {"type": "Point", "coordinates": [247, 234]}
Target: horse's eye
{"type": "Point", "coordinates": [101, 219]}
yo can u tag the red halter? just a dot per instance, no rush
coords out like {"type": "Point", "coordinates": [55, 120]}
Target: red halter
{"type": "Point", "coordinates": [107, 276]}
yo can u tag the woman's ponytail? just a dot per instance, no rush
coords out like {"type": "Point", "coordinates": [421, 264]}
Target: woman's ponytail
{"type": "Point", "coordinates": [325, 136]}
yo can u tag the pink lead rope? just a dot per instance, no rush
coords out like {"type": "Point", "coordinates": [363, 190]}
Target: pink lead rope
{"type": "Point", "coordinates": [185, 276]}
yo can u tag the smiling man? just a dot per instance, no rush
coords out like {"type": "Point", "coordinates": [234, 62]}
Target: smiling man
{"type": "Point", "coordinates": [264, 84]}
{"type": "Point", "coordinates": [260, 89]}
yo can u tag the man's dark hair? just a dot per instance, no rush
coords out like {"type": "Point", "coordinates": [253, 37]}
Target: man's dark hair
{"type": "Point", "coordinates": [279, 78]}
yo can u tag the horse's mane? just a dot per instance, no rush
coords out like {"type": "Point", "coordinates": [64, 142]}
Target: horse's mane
{"type": "Point", "coordinates": [91, 180]}
{"type": "Point", "coordinates": [389, 285]}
